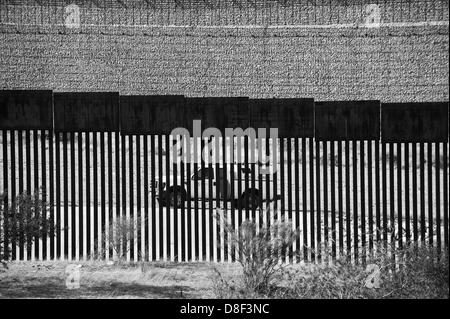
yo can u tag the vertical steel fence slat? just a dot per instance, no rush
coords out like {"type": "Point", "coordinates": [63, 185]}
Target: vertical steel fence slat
{"type": "Point", "coordinates": [259, 176]}
{"type": "Point", "coordinates": [153, 197]}
{"type": "Point", "coordinates": [399, 197]}
{"type": "Point", "coordinates": [189, 255]}
{"type": "Point", "coordinates": [139, 212]}
{"type": "Point", "coordinates": [297, 197]}
{"type": "Point", "coordinates": [65, 254]}
{"type": "Point", "coordinates": [445, 189]}
{"type": "Point", "coordinates": [234, 221]}
{"type": "Point", "coordinates": [253, 177]}
{"type": "Point", "coordinates": [138, 251]}
{"type": "Point", "coordinates": [384, 192]}
{"type": "Point", "coordinates": [109, 225]}
{"type": "Point", "coordinates": [179, 187]}
{"type": "Point", "coordinates": [414, 192]}
{"type": "Point", "coordinates": [183, 219]}
{"type": "Point", "coordinates": [58, 194]}
{"type": "Point", "coordinates": [225, 197]}
{"type": "Point", "coordinates": [333, 199]}
{"type": "Point", "coordinates": [202, 212]}
{"type": "Point", "coordinates": [72, 195]}
{"type": "Point", "coordinates": [137, 196]}
{"type": "Point", "coordinates": [311, 200]}
{"type": "Point", "coordinates": [354, 144]}
{"type": "Point", "coordinates": [168, 251]}
{"type": "Point", "coordinates": [326, 228]}
{"type": "Point", "coordinates": [80, 193]}
{"type": "Point", "coordinates": [340, 199]}
{"type": "Point", "coordinates": [129, 212]}
{"type": "Point", "coordinates": [392, 233]}
{"type": "Point", "coordinates": [44, 192]}
{"type": "Point", "coordinates": [430, 192]}
{"type": "Point", "coordinates": [5, 188]}
{"type": "Point", "coordinates": [290, 218]}
{"type": "Point", "coordinates": [161, 199]}
{"type": "Point", "coordinates": [318, 201]}
{"type": "Point", "coordinates": [195, 256]}
{"type": "Point", "coordinates": [21, 188]}
{"type": "Point", "coordinates": [209, 220]}
{"type": "Point", "coordinates": [370, 194]}
{"type": "Point", "coordinates": [347, 198]}
{"type": "Point", "coordinates": [89, 221]}
{"type": "Point", "coordinates": [246, 180]}
{"type": "Point", "coordinates": [188, 144]}
{"type": "Point", "coordinates": [173, 221]}
{"type": "Point", "coordinates": [267, 177]}
{"type": "Point", "coordinates": [216, 229]}
{"type": "Point", "coordinates": [362, 187]}
{"type": "Point", "coordinates": [171, 211]}
{"type": "Point", "coordinates": [35, 185]}
{"type": "Point", "coordinates": [274, 153]}
{"type": "Point", "coordinates": [123, 183]}
{"type": "Point", "coordinates": [12, 149]}
{"type": "Point", "coordinates": [304, 203]}
{"type": "Point", "coordinates": [239, 190]}
{"type": "Point", "coordinates": [147, 212]}
{"type": "Point", "coordinates": [377, 193]}
{"type": "Point", "coordinates": [117, 165]}
{"type": "Point", "coordinates": [282, 188]}
{"type": "Point", "coordinates": [51, 195]}
{"type": "Point", "coordinates": [407, 196]}
{"type": "Point", "coordinates": [422, 192]}
{"type": "Point", "coordinates": [95, 188]}
{"type": "Point", "coordinates": [28, 171]}
{"type": "Point", "coordinates": [438, 193]}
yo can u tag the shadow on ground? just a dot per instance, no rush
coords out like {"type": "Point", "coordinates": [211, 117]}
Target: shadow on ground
{"type": "Point", "coordinates": [53, 287]}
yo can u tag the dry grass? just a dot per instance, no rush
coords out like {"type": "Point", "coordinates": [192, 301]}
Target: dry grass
{"type": "Point", "coordinates": [419, 278]}
{"type": "Point", "coordinates": [419, 274]}
{"type": "Point", "coordinates": [101, 280]}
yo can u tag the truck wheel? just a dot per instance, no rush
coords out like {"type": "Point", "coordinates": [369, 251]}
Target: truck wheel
{"type": "Point", "coordinates": [251, 199]}
{"type": "Point", "coordinates": [177, 197]}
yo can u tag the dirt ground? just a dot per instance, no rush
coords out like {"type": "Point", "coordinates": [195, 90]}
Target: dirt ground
{"type": "Point", "coordinates": [102, 280]}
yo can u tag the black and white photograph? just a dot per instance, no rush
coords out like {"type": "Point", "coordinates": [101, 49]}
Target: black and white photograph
{"type": "Point", "coordinates": [237, 152]}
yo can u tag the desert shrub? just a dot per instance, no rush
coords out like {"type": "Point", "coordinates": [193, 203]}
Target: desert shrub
{"type": "Point", "coordinates": [24, 220]}
{"type": "Point", "coordinates": [258, 249]}
{"type": "Point", "coordinates": [416, 270]}
{"type": "Point", "coordinates": [120, 233]}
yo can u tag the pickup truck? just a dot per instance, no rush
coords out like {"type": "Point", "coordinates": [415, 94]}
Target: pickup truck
{"type": "Point", "coordinates": [171, 194]}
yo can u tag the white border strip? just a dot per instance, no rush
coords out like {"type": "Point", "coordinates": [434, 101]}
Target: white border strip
{"type": "Point", "coordinates": [269, 27]}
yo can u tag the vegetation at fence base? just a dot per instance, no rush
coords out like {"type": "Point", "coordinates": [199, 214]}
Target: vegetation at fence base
{"type": "Point", "coordinates": [27, 218]}
{"type": "Point", "coordinates": [120, 234]}
{"type": "Point", "coordinates": [257, 248]}
{"type": "Point", "coordinates": [415, 271]}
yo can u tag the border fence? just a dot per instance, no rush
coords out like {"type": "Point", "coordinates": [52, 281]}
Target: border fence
{"type": "Point", "coordinates": [350, 175]}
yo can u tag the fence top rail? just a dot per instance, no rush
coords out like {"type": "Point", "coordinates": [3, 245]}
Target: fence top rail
{"type": "Point", "coordinates": [347, 120]}
{"type": "Point", "coordinates": [90, 111]}
{"type": "Point", "coordinates": [415, 122]}
{"type": "Point", "coordinates": [26, 109]}
{"type": "Point", "coordinates": [160, 114]}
